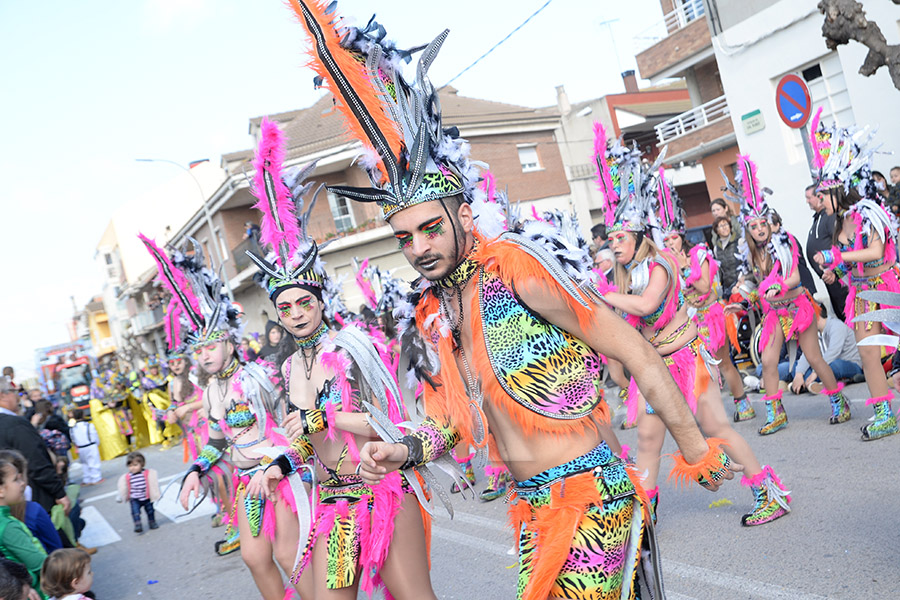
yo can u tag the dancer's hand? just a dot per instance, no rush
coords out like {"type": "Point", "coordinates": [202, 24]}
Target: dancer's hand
{"type": "Point", "coordinates": [819, 258]}
{"type": "Point", "coordinates": [797, 383]}
{"type": "Point", "coordinates": [377, 459]}
{"type": "Point", "coordinates": [733, 309]}
{"type": "Point", "coordinates": [829, 277]}
{"type": "Point", "coordinates": [191, 484]}
{"type": "Point", "coordinates": [727, 471]}
{"type": "Point", "coordinates": [293, 425]}
{"type": "Point", "coordinates": [270, 480]}
{"type": "Point", "coordinates": [256, 487]}
{"type": "Point", "coordinates": [772, 292]}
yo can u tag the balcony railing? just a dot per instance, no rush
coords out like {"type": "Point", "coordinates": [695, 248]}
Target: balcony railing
{"type": "Point", "coordinates": [239, 254]}
{"type": "Point", "coordinates": [143, 321]}
{"type": "Point", "coordinates": [696, 118]}
{"type": "Point", "coordinates": [686, 11]}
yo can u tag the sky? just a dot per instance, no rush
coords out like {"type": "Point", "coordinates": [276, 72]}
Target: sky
{"type": "Point", "coordinates": [88, 87]}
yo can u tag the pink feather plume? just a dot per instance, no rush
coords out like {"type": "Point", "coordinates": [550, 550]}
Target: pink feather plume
{"type": "Point", "coordinates": [279, 228]}
{"type": "Point", "coordinates": [604, 177]}
{"type": "Point", "coordinates": [489, 185]}
{"type": "Point", "coordinates": [172, 278]}
{"type": "Point", "coordinates": [750, 183]}
{"type": "Point", "coordinates": [818, 159]}
{"type": "Point", "coordinates": [365, 285]}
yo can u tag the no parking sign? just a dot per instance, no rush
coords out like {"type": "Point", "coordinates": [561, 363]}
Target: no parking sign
{"type": "Point", "coordinates": [793, 101]}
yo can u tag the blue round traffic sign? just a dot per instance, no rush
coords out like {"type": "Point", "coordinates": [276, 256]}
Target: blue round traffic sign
{"type": "Point", "coordinates": [793, 101]}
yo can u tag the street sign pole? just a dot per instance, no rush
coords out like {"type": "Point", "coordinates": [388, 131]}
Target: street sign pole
{"type": "Point", "coordinates": [807, 147]}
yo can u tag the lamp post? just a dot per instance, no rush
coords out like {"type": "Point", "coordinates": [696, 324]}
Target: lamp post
{"type": "Point", "coordinates": [207, 214]}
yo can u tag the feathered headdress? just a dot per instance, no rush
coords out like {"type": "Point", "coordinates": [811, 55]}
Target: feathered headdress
{"type": "Point", "coordinates": [747, 192]}
{"type": "Point", "coordinates": [628, 190]}
{"type": "Point", "coordinates": [841, 157]}
{"type": "Point", "coordinates": [669, 208]}
{"type": "Point", "coordinates": [382, 291]}
{"type": "Point", "coordinates": [410, 158]}
{"type": "Point", "coordinates": [293, 258]}
{"type": "Point", "coordinates": [199, 312]}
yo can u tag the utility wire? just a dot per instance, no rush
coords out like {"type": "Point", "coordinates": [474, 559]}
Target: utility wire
{"type": "Point", "coordinates": [495, 46]}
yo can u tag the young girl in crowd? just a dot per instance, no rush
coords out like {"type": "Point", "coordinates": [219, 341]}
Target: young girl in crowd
{"type": "Point", "coordinates": [789, 310]}
{"type": "Point", "coordinates": [140, 486]}
{"type": "Point", "coordinates": [16, 542]}
{"type": "Point", "coordinates": [648, 290]}
{"type": "Point", "coordinates": [67, 575]}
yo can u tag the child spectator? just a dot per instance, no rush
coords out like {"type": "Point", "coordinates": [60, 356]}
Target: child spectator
{"type": "Point", "coordinates": [31, 513]}
{"type": "Point", "coordinates": [141, 487]}
{"type": "Point", "coordinates": [84, 436]}
{"type": "Point", "coordinates": [15, 582]}
{"type": "Point", "coordinates": [67, 575]}
{"type": "Point", "coordinates": [16, 542]}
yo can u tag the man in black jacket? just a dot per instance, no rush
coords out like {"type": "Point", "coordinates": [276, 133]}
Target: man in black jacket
{"type": "Point", "coordinates": [17, 433]}
{"type": "Point", "coordinates": [821, 237]}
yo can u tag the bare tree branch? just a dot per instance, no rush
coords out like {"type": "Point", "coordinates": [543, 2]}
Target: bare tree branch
{"type": "Point", "coordinates": [845, 20]}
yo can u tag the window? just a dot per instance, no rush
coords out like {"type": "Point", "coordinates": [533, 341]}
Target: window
{"type": "Point", "coordinates": [340, 210]}
{"type": "Point", "coordinates": [528, 158]}
{"type": "Point", "coordinates": [108, 258]}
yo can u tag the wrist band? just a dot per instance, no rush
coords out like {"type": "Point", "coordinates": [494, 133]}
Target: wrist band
{"type": "Point", "coordinates": [283, 463]}
{"type": "Point", "coordinates": [416, 453]}
{"type": "Point", "coordinates": [714, 465]}
{"type": "Point", "coordinates": [313, 421]}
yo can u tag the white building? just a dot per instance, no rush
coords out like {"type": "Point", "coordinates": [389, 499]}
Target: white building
{"type": "Point", "coordinates": [756, 43]}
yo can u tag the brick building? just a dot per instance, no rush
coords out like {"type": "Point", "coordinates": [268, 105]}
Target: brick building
{"type": "Point", "coordinates": [681, 46]}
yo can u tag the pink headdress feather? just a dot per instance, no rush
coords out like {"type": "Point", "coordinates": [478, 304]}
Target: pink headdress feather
{"type": "Point", "coordinates": [752, 194]}
{"type": "Point", "coordinates": [604, 177]}
{"type": "Point", "coordinates": [279, 228]}
{"type": "Point", "coordinates": [366, 286]}
{"type": "Point", "coordinates": [175, 281]}
{"type": "Point", "coordinates": [489, 185]}
{"type": "Point", "coordinates": [818, 159]}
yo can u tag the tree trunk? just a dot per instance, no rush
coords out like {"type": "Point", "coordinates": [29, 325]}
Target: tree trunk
{"type": "Point", "coordinates": [845, 20]}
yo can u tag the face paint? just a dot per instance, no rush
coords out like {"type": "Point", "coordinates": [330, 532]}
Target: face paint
{"type": "Point", "coordinates": [404, 240]}
{"type": "Point", "coordinates": [434, 229]}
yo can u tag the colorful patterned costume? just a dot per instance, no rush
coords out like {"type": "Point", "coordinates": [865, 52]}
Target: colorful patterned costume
{"type": "Point", "coordinates": [110, 428]}
{"type": "Point", "coordinates": [154, 403]}
{"type": "Point", "coordinates": [842, 162]}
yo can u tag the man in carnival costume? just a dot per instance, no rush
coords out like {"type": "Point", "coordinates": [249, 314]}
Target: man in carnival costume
{"type": "Point", "coordinates": [507, 340]}
{"type": "Point", "coordinates": [359, 535]}
{"type": "Point", "coordinates": [864, 255]}
{"type": "Point", "coordinates": [242, 404]}
{"type": "Point", "coordinates": [113, 428]}
{"type": "Point", "coordinates": [156, 401]}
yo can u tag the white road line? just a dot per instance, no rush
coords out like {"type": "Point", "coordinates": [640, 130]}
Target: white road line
{"type": "Point", "coordinates": [470, 541]}
{"type": "Point", "coordinates": [733, 582]}
{"type": "Point", "coordinates": [97, 530]}
{"type": "Point", "coordinates": [480, 521]}
{"type": "Point", "coordinates": [111, 494]}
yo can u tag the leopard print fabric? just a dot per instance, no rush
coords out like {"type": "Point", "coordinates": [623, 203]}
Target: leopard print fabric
{"type": "Point", "coordinates": [542, 367]}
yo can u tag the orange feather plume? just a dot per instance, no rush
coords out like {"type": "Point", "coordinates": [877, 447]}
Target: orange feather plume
{"type": "Point", "coordinates": [344, 74]}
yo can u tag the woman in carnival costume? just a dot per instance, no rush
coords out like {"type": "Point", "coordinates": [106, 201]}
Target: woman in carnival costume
{"type": "Point", "coordinates": [789, 312]}
{"type": "Point", "coordinates": [360, 535]}
{"type": "Point", "coordinates": [511, 371]}
{"type": "Point", "coordinates": [242, 406]}
{"type": "Point", "coordinates": [649, 292]}
{"type": "Point", "coordinates": [864, 255]}
{"type": "Point", "coordinates": [699, 272]}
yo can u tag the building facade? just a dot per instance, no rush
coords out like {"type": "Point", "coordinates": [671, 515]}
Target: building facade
{"type": "Point", "coordinates": [756, 43]}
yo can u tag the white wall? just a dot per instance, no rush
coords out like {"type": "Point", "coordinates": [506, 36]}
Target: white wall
{"type": "Point", "coordinates": [752, 57]}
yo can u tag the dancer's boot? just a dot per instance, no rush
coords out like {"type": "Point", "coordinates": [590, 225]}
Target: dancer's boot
{"type": "Point", "coordinates": [743, 410]}
{"type": "Point", "coordinates": [885, 422]}
{"type": "Point", "coordinates": [772, 500]}
{"type": "Point", "coordinates": [840, 407]}
{"type": "Point", "coordinates": [776, 417]}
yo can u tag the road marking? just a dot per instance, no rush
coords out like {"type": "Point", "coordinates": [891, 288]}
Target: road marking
{"type": "Point", "coordinates": [116, 492]}
{"type": "Point", "coordinates": [470, 541]}
{"type": "Point", "coordinates": [171, 507]}
{"type": "Point", "coordinates": [733, 582]}
{"type": "Point", "coordinates": [97, 530]}
{"type": "Point", "coordinates": [674, 571]}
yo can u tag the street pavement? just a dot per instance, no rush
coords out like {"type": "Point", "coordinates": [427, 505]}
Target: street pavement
{"type": "Point", "coordinates": [840, 541]}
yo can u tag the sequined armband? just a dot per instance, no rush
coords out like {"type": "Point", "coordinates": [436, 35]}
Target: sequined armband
{"type": "Point", "coordinates": [435, 439]}
{"type": "Point", "coordinates": [714, 465]}
{"type": "Point", "coordinates": [295, 456]}
{"type": "Point", "coordinates": [313, 421]}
